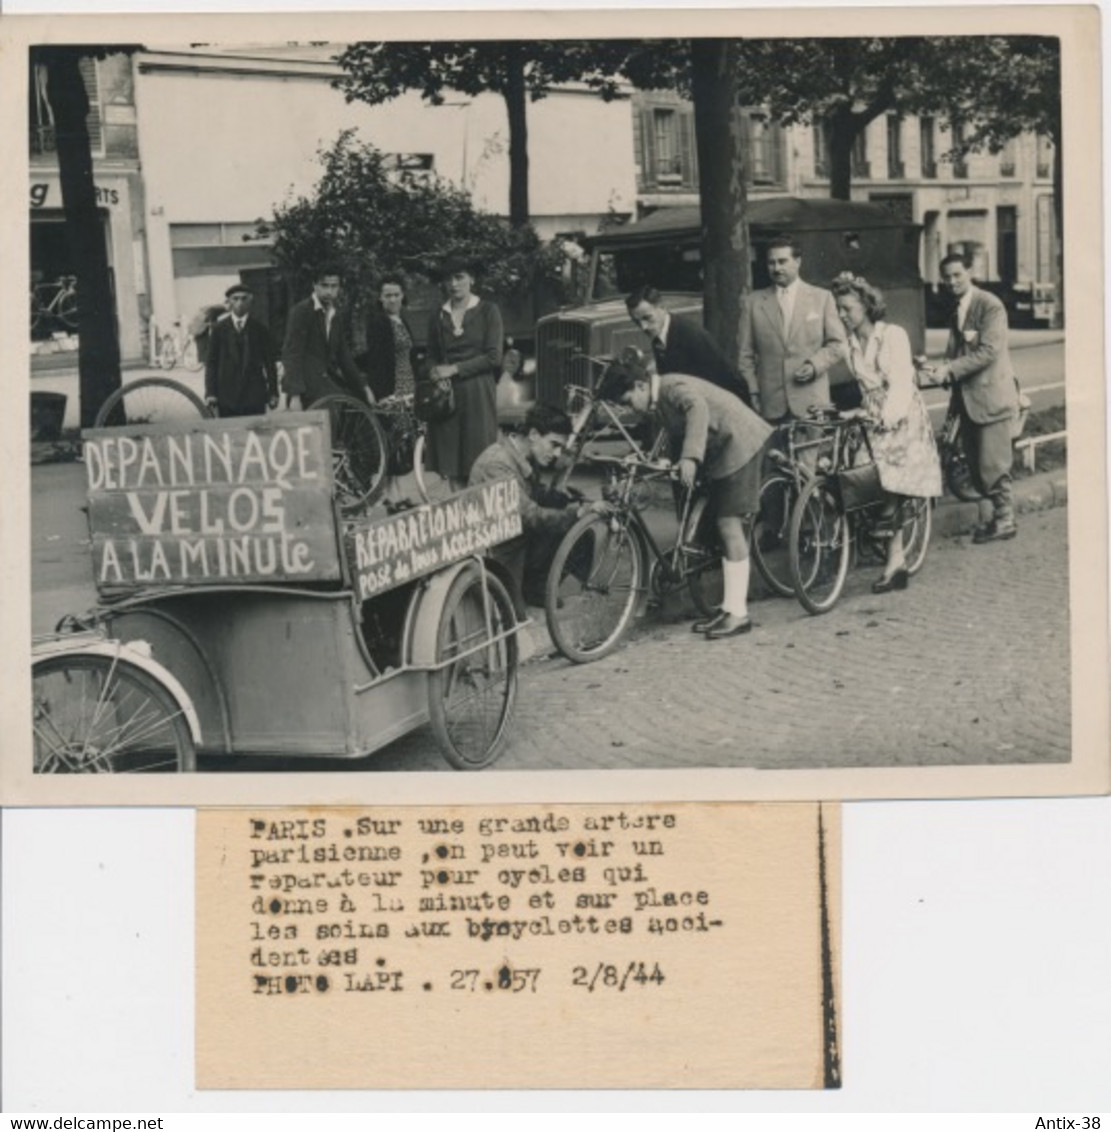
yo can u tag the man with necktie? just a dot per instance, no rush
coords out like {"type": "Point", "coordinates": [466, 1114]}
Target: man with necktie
{"type": "Point", "coordinates": [315, 356]}
{"type": "Point", "coordinates": [790, 337]}
{"type": "Point", "coordinates": [241, 374]}
{"type": "Point", "coordinates": [979, 366]}
{"type": "Point", "coordinates": [680, 346]}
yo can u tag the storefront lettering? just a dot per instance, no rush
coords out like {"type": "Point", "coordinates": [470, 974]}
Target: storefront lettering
{"type": "Point", "coordinates": [41, 191]}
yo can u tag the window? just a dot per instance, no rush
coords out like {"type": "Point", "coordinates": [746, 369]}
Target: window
{"type": "Point", "coordinates": [1007, 159]}
{"type": "Point", "coordinates": [927, 147]}
{"type": "Point", "coordinates": [960, 158]}
{"type": "Point", "coordinates": [665, 134]}
{"type": "Point", "coordinates": [1044, 156]}
{"type": "Point", "coordinates": [42, 116]}
{"type": "Point", "coordinates": [763, 150]}
{"type": "Point", "coordinates": [821, 149]}
{"type": "Point", "coordinates": [896, 169]}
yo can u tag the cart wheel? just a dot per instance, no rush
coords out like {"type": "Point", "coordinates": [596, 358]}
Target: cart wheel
{"type": "Point", "coordinates": [102, 715]}
{"type": "Point", "coordinates": [151, 400]}
{"type": "Point", "coordinates": [471, 696]}
{"type": "Point", "coordinates": [359, 451]}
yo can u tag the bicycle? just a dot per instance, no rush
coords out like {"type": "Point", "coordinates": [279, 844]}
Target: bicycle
{"type": "Point", "coordinates": [608, 560]}
{"type": "Point", "coordinates": [359, 451]}
{"type": "Point", "coordinates": [61, 307]}
{"type": "Point", "coordinates": [789, 466]}
{"type": "Point", "coordinates": [176, 347]}
{"type": "Point", "coordinates": [827, 532]}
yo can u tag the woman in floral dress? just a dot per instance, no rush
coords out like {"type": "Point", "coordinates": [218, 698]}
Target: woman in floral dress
{"type": "Point", "coordinates": [902, 438]}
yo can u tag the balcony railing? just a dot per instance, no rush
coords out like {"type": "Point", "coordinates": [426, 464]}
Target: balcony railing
{"type": "Point", "coordinates": [896, 170]}
{"type": "Point", "coordinates": [929, 169]}
{"type": "Point", "coordinates": [1006, 168]}
{"type": "Point", "coordinates": [42, 140]}
{"type": "Point", "coordinates": [960, 169]}
{"type": "Point", "coordinates": [862, 169]}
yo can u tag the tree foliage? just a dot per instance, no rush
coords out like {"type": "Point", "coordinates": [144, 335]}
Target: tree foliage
{"type": "Point", "coordinates": [372, 219]}
{"type": "Point", "coordinates": [519, 70]}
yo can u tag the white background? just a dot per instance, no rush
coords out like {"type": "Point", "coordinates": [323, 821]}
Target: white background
{"type": "Point", "coordinates": [976, 947]}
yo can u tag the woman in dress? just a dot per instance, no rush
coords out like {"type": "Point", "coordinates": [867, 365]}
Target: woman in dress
{"type": "Point", "coordinates": [902, 439]}
{"type": "Point", "coordinates": [391, 359]}
{"type": "Point", "coordinates": [392, 362]}
{"type": "Point", "coordinates": [465, 342]}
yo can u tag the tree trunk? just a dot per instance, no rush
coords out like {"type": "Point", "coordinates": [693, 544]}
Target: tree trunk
{"type": "Point", "coordinates": [721, 190]}
{"type": "Point", "coordinates": [842, 133]}
{"type": "Point", "coordinates": [516, 106]}
{"type": "Point", "coordinates": [98, 355]}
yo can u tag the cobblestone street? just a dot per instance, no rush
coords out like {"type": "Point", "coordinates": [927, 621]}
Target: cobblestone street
{"type": "Point", "coordinates": [969, 665]}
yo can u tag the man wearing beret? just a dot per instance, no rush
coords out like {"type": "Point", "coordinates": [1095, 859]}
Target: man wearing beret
{"type": "Point", "coordinates": [241, 373]}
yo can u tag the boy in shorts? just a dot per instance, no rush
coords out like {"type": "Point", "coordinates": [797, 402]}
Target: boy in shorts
{"type": "Point", "coordinates": [716, 437]}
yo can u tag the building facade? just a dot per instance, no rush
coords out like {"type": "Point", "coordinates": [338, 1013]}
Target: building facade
{"type": "Point", "coordinates": [997, 209]}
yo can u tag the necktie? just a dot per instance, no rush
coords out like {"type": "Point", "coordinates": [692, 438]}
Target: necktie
{"type": "Point", "coordinates": [784, 297]}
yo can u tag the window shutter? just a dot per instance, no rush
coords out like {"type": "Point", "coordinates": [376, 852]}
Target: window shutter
{"type": "Point", "coordinates": [688, 155]}
{"type": "Point", "coordinates": [648, 147]}
{"type": "Point", "coordinates": [92, 88]}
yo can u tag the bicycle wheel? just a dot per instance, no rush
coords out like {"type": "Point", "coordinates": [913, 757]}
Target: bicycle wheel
{"type": "Point", "coordinates": [67, 309]}
{"type": "Point", "coordinates": [771, 533]}
{"type": "Point", "coordinates": [916, 526]}
{"type": "Point", "coordinates": [101, 715]}
{"type": "Point", "coordinates": [359, 451]}
{"type": "Point", "coordinates": [702, 555]}
{"type": "Point", "coordinates": [191, 356]}
{"type": "Point", "coordinates": [593, 587]}
{"type": "Point", "coordinates": [471, 696]}
{"type": "Point", "coordinates": [820, 546]}
{"type": "Point", "coordinates": [39, 313]}
{"type": "Point", "coordinates": [167, 352]}
{"type": "Point", "coordinates": [151, 400]}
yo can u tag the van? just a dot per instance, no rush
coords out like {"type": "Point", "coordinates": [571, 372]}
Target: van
{"type": "Point", "coordinates": [664, 249]}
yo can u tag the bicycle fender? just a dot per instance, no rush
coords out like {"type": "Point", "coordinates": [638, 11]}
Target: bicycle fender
{"type": "Point", "coordinates": [136, 653]}
{"type": "Point", "coordinates": [426, 623]}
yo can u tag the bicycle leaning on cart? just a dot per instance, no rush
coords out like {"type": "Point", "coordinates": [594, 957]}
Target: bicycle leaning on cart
{"type": "Point", "coordinates": [240, 613]}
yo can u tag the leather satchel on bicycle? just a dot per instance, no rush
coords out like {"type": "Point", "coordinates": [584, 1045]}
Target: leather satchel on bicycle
{"type": "Point", "coordinates": [434, 400]}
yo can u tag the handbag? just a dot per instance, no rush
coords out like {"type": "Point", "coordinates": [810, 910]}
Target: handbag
{"type": "Point", "coordinates": [434, 400]}
{"type": "Point", "coordinates": [860, 486]}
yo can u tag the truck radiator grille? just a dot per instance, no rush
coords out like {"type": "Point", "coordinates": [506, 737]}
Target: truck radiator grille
{"type": "Point", "coordinates": [559, 346]}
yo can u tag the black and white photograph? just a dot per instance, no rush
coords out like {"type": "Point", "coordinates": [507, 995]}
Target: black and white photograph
{"type": "Point", "coordinates": [708, 408]}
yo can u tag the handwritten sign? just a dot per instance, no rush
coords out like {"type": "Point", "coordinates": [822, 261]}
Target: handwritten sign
{"type": "Point", "coordinates": [246, 499]}
{"type": "Point", "coordinates": [393, 551]}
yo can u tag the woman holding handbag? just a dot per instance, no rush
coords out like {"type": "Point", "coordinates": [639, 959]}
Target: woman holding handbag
{"type": "Point", "coordinates": [902, 440]}
{"type": "Point", "coordinates": [465, 342]}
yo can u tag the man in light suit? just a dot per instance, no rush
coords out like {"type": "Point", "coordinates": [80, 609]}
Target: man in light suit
{"type": "Point", "coordinates": [718, 439]}
{"type": "Point", "coordinates": [315, 356]}
{"type": "Point", "coordinates": [979, 366]}
{"type": "Point", "coordinates": [680, 346]}
{"type": "Point", "coordinates": [790, 337]}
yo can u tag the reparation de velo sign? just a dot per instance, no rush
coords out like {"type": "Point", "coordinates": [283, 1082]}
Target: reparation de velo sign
{"type": "Point", "coordinates": [393, 551]}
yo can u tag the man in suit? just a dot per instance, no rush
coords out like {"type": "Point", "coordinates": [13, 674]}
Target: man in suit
{"type": "Point", "coordinates": [680, 346]}
{"type": "Point", "coordinates": [241, 374]}
{"type": "Point", "coordinates": [979, 366]}
{"type": "Point", "coordinates": [790, 337]}
{"type": "Point", "coordinates": [715, 438]}
{"type": "Point", "coordinates": [315, 355]}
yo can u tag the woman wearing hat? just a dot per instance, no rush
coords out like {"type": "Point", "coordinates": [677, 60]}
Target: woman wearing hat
{"type": "Point", "coordinates": [465, 339]}
{"type": "Point", "coordinates": [241, 374]}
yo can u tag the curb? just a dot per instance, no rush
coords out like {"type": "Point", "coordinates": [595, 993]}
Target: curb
{"type": "Point", "coordinates": [1033, 493]}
